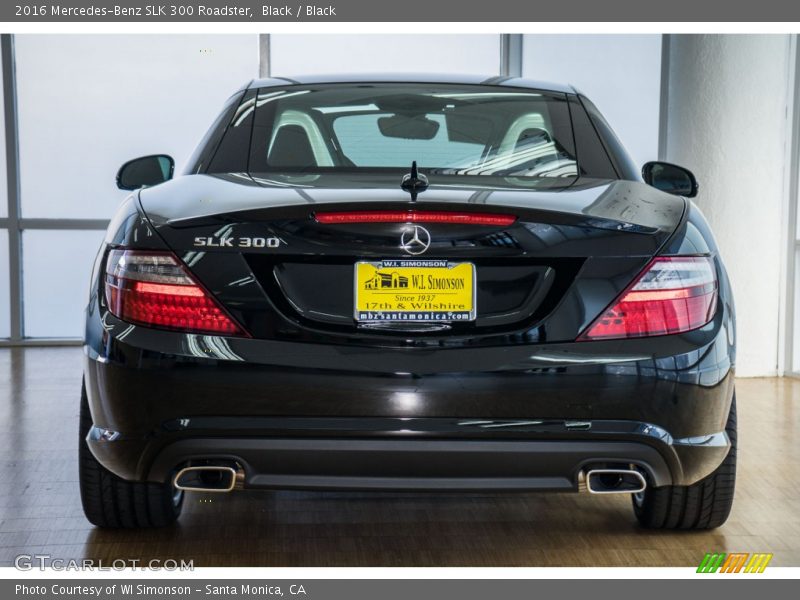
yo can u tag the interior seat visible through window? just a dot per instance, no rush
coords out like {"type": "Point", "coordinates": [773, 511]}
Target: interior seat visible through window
{"type": "Point", "coordinates": [292, 148]}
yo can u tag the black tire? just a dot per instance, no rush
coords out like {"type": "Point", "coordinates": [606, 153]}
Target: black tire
{"type": "Point", "coordinates": [702, 505]}
{"type": "Point", "coordinates": [110, 501]}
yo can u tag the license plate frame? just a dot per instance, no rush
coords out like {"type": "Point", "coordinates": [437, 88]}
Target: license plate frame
{"type": "Point", "coordinates": [462, 301]}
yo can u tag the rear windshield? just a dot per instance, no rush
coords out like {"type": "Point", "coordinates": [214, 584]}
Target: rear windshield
{"type": "Point", "coordinates": [449, 130]}
{"type": "Point", "coordinates": [374, 127]}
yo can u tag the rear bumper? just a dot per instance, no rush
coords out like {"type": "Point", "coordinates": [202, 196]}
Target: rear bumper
{"type": "Point", "coordinates": [529, 427]}
{"type": "Point", "coordinates": [418, 454]}
{"type": "Point", "coordinates": [412, 465]}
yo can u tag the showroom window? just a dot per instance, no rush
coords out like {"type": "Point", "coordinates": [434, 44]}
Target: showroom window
{"type": "Point", "coordinates": [5, 317]}
{"type": "Point", "coordinates": [70, 146]}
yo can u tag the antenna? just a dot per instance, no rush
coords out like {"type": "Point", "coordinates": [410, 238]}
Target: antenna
{"type": "Point", "coordinates": [414, 182]}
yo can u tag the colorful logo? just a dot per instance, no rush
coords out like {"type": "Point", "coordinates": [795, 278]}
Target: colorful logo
{"type": "Point", "coordinates": [737, 562]}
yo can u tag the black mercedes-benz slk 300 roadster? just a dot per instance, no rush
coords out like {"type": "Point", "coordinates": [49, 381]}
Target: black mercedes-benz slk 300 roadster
{"type": "Point", "coordinates": [415, 283]}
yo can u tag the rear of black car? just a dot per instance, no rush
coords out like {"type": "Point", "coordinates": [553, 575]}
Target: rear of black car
{"type": "Point", "coordinates": [531, 316]}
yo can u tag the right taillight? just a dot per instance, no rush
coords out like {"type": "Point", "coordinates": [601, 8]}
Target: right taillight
{"type": "Point", "coordinates": [155, 289]}
{"type": "Point", "coordinates": [673, 294]}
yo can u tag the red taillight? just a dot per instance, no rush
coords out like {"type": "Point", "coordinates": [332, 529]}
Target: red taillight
{"type": "Point", "coordinates": [672, 295]}
{"type": "Point", "coordinates": [154, 288]}
{"type": "Point", "coordinates": [414, 216]}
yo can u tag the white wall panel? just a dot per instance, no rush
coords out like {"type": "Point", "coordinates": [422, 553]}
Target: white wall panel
{"type": "Point", "coordinates": [57, 266]}
{"type": "Point", "coordinates": [727, 122]}
{"type": "Point", "coordinates": [621, 74]}
{"type": "Point", "coordinates": [87, 103]}
{"type": "Point", "coordinates": [323, 54]}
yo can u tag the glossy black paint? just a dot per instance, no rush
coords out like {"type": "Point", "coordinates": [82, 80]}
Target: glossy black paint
{"type": "Point", "coordinates": [310, 373]}
{"type": "Point", "coordinates": [578, 228]}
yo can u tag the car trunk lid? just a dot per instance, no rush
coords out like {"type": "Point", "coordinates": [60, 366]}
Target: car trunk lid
{"type": "Point", "coordinates": [267, 251]}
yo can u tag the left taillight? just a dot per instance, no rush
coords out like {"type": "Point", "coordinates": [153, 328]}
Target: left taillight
{"type": "Point", "coordinates": [674, 294]}
{"type": "Point", "coordinates": [155, 289]}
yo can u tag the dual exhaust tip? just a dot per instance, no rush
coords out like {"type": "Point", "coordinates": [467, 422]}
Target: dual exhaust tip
{"type": "Point", "coordinates": [614, 481]}
{"type": "Point", "coordinates": [210, 478]}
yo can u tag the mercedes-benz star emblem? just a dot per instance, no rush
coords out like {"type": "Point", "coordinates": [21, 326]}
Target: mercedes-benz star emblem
{"type": "Point", "coordinates": [416, 240]}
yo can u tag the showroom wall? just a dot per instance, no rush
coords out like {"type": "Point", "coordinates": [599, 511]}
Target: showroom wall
{"type": "Point", "coordinates": [727, 121]}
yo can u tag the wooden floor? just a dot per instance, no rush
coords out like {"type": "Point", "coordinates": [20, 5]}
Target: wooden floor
{"type": "Point", "coordinates": [40, 511]}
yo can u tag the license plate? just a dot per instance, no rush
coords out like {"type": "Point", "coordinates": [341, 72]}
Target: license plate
{"type": "Point", "coordinates": [414, 290]}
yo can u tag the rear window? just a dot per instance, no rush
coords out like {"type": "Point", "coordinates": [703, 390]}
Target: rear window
{"type": "Point", "coordinates": [446, 129]}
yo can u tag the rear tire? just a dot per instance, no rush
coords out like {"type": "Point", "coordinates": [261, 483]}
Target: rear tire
{"type": "Point", "coordinates": [110, 501]}
{"type": "Point", "coordinates": [702, 505]}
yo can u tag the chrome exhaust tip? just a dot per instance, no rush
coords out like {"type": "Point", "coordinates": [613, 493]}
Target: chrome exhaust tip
{"type": "Point", "coordinates": [615, 481]}
{"type": "Point", "coordinates": [209, 478]}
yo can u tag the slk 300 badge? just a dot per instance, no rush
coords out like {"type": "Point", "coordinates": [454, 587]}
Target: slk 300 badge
{"type": "Point", "coordinates": [238, 242]}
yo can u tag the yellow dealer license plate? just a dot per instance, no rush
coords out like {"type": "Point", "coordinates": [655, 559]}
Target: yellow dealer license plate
{"type": "Point", "coordinates": [414, 290]}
